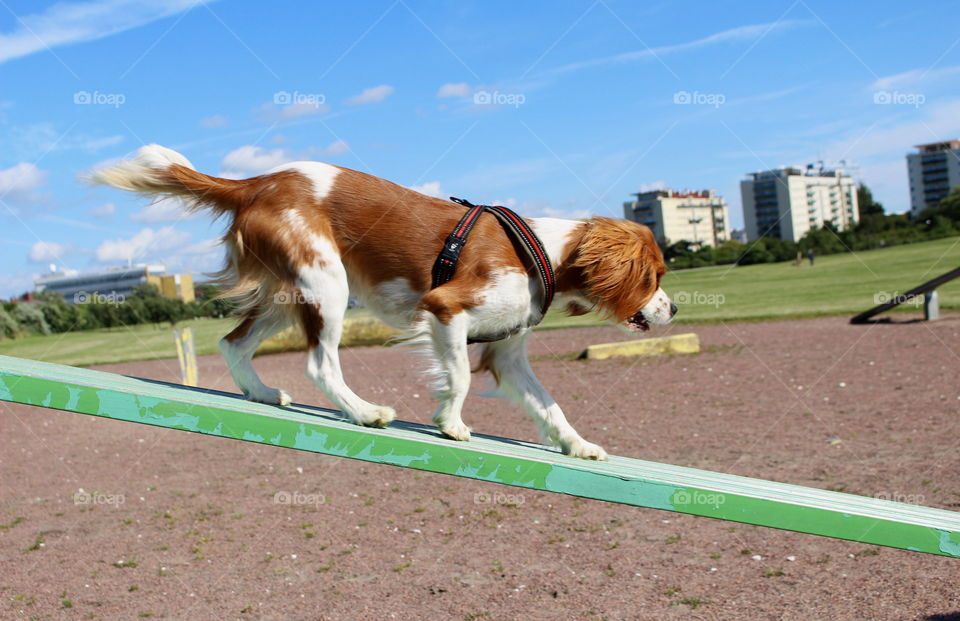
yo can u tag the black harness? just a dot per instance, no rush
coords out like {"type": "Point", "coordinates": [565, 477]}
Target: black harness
{"type": "Point", "coordinates": [515, 227]}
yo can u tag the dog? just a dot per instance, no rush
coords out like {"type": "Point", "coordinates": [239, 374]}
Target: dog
{"type": "Point", "coordinates": [305, 236]}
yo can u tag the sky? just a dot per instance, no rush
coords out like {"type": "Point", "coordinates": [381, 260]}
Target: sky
{"type": "Point", "coordinates": [552, 108]}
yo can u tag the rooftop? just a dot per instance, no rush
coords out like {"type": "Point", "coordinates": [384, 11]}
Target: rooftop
{"type": "Point", "coordinates": [667, 193]}
{"type": "Point", "coordinates": [934, 147]}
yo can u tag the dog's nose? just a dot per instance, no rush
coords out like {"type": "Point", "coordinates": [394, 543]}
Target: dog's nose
{"type": "Point", "coordinates": [673, 309]}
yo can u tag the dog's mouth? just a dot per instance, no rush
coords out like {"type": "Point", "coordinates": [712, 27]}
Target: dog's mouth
{"type": "Point", "coordinates": [638, 323]}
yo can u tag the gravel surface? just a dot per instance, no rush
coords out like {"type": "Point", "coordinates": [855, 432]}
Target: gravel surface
{"type": "Point", "coordinates": [181, 526]}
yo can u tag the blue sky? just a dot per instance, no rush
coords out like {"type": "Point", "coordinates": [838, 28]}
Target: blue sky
{"type": "Point", "coordinates": [561, 108]}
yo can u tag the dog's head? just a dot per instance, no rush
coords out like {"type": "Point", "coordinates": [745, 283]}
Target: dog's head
{"type": "Point", "coordinates": [620, 267]}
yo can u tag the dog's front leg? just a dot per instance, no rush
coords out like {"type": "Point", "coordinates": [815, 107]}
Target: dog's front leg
{"type": "Point", "coordinates": [449, 342]}
{"type": "Point", "coordinates": [324, 292]}
{"type": "Point", "coordinates": [507, 360]}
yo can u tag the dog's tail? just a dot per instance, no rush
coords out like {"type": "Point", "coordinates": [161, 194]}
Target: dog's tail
{"type": "Point", "coordinates": [159, 172]}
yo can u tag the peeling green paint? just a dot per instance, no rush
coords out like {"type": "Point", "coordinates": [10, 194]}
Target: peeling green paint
{"type": "Point", "coordinates": [949, 543]}
{"type": "Point", "coordinates": [621, 480]}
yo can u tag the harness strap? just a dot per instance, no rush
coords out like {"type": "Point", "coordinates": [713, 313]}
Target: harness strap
{"type": "Point", "coordinates": [446, 263]}
{"type": "Point", "coordinates": [515, 227]}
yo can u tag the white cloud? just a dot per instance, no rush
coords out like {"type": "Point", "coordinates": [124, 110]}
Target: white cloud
{"type": "Point", "coordinates": [65, 23]}
{"type": "Point", "coordinates": [38, 139]}
{"type": "Point", "coordinates": [147, 245]}
{"type": "Point", "coordinates": [430, 188]}
{"type": "Point", "coordinates": [15, 284]}
{"type": "Point", "coordinates": [740, 33]}
{"type": "Point", "coordinates": [20, 181]}
{"type": "Point", "coordinates": [163, 210]}
{"type": "Point", "coordinates": [251, 160]}
{"type": "Point", "coordinates": [46, 252]}
{"type": "Point", "coordinates": [213, 122]}
{"type": "Point", "coordinates": [656, 185]}
{"type": "Point", "coordinates": [880, 148]}
{"type": "Point", "coordinates": [337, 147]}
{"type": "Point", "coordinates": [371, 95]}
{"type": "Point", "coordinates": [103, 211]}
{"type": "Point", "coordinates": [914, 78]}
{"type": "Point", "coordinates": [454, 89]}
{"type": "Point", "coordinates": [575, 214]}
{"type": "Point", "coordinates": [280, 114]}
{"type": "Point", "coordinates": [200, 257]}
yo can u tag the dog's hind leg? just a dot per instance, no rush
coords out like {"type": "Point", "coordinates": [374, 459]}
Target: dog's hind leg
{"type": "Point", "coordinates": [507, 361]}
{"type": "Point", "coordinates": [324, 291]}
{"type": "Point", "coordinates": [239, 346]}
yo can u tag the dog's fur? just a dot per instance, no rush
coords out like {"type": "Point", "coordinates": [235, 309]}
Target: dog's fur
{"type": "Point", "coordinates": [305, 235]}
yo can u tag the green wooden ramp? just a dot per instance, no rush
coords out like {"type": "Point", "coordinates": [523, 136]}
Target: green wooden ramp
{"type": "Point", "coordinates": [510, 462]}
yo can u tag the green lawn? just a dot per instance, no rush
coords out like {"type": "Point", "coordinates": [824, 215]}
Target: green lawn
{"type": "Point", "coordinates": [839, 284]}
{"type": "Point", "coordinates": [142, 342]}
{"type": "Point", "coordinates": [836, 284]}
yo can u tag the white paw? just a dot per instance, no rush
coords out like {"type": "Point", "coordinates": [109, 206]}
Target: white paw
{"type": "Point", "coordinates": [270, 396]}
{"type": "Point", "coordinates": [584, 450]}
{"type": "Point", "coordinates": [374, 416]}
{"type": "Point", "coordinates": [455, 431]}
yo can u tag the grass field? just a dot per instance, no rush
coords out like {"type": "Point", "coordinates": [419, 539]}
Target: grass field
{"type": "Point", "coordinates": [837, 284]}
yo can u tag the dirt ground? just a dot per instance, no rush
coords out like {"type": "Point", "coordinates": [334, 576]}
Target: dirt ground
{"type": "Point", "coordinates": [108, 520]}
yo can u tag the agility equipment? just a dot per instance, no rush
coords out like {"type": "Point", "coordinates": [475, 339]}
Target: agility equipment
{"type": "Point", "coordinates": [675, 344]}
{"type": "Point", "coordinates": [931, 302]}
{"type": "Point", "coordinates": [499, 460]}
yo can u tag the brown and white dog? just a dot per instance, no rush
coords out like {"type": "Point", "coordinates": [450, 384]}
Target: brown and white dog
{"type": "Point", "coordinates": [306, 235]}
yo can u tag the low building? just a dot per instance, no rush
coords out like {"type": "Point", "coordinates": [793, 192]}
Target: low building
{"type": "Point", "coordinates": [113, 284]}
{"type": "Point", "coordinates": [934, 171]}
{"type": "Point", "coordinates": [699, 217]}
{"type": "Point", "coordinates": [787, 202]}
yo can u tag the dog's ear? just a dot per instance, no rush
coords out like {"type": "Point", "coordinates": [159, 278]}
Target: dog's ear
{"type": "Point", "coordinates": [621, 264]}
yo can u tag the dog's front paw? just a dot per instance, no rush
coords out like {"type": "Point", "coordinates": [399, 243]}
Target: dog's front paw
{"type": "Point", "coordinates": [584, 450]}
{"type": "Point", "coordinates": [455, 431]}
{"type": "Point", "coordinates": [375, 416]}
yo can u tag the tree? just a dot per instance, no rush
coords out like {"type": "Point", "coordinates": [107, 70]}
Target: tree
{"type": "Point", "coordinates": [867, 206]}
{"type": "Point", "coordinates": [210, 304]}
{"type": "Point", "coordinates": [60, 316]}
{"type": "Point", "coordinates": [156, 307]}
{"type": "Point", "coordinates": [948, 207]}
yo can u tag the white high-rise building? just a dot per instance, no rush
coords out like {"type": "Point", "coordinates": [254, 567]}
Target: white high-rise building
{"type": "Point", "coordinates": [934, 171]}
{"type": "Point", "coordinates": [787, 202]}
{"type": "Point", "coordinates": [700, 217]}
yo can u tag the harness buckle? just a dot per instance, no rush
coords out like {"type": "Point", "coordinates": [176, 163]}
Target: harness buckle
{"type": "Point", "coordinates": [452, 248]}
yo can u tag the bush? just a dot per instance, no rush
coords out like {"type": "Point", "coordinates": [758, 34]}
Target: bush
{"type": "Point", "coordinates": [8, 325]}
{"type": "Point", "coordinates": [30, 318]}
{"type": "Point", "coordinates": [60, 316]}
